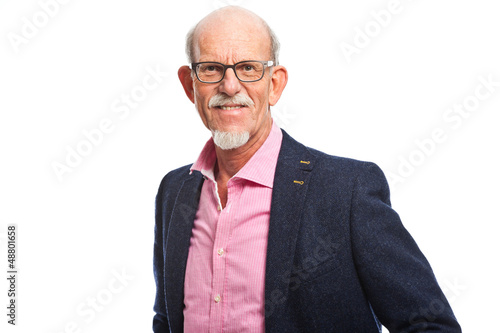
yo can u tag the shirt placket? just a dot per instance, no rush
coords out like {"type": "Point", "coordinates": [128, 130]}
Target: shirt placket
{"type": "Point", "coordinates": [219, 261]}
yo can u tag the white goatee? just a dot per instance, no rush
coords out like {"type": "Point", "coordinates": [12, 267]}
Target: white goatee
{"type": "Point", "coordinates": [229, 140]}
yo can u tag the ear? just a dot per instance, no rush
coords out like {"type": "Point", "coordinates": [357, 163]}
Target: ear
{"type": "Point", "coordinates": [278, 83]}
{"type": "Point", "coordinates": [186, 79]}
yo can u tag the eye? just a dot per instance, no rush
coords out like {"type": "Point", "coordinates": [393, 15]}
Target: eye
{"type": "Point", "coordinates": [209, 68]}
{"type": "Point", "coordinates": [248, 68]}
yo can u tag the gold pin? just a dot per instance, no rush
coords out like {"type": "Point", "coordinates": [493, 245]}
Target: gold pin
{"type": "Point", "coordinates": [298, 182]}
{"type": "Point", "coordinates": [305, 162]}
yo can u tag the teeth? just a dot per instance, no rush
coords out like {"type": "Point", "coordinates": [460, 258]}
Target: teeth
{"type": "Point", "coordinates": [230, 107]}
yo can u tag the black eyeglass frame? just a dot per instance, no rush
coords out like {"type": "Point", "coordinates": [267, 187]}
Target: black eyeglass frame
{"type": "Point", "coordinates": [268, 63]}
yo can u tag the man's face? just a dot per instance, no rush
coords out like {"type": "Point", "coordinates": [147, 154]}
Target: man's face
{"type": "Point", "coordinates": [229, 47]}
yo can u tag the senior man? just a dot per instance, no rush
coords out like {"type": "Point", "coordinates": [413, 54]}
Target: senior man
{"type": "Point", "coordinates": [262, 234]}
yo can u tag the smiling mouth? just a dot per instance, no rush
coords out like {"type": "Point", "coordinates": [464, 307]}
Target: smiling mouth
{"type": "Point", "coordinates": [230, 107]}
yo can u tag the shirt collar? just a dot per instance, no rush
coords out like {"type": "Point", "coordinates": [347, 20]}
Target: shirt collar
{"type": "Point", "coordinates": [259, 169]}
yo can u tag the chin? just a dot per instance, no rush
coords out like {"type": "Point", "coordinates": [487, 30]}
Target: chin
{"type": "Point", "coordinates": [230, 140]}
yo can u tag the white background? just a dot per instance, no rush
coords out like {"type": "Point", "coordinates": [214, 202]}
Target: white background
{"type": "Point", "coordinates": [77, 233]}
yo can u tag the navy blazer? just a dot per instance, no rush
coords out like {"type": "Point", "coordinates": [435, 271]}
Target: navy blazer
{"type": "Point", "coordinates": [338, 257]}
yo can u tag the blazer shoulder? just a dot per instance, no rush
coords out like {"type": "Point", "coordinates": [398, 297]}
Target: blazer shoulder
{"type": "Point", "coordinates": [291, 147]}
{"type": "Point", "coordinates": [343, 167]}
{"type": "Point", "coordinates": [175, 178]}
{"type": "Point", "coordinates": [345, 163]}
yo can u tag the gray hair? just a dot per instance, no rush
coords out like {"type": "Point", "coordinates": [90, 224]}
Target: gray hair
{"type": "Point", "coordinates": [275, 44]}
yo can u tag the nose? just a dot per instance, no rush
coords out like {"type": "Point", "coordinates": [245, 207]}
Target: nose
{"type": "Point", "coordinates": [230, 84]}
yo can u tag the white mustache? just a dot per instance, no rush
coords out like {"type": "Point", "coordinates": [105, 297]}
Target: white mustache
{"type": "Point", "coordinates": [221, 99]}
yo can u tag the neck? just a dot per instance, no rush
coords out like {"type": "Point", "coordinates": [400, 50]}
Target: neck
{"type": "Point", "coordinates": [230, 161]}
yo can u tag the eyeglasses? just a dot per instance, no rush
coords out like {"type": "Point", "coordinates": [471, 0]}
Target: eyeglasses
{"type": "Point", "coordinates": [245, 71]}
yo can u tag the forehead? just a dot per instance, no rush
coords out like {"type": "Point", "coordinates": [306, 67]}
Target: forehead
{"type": "Point", "coordinates": [230, 40]}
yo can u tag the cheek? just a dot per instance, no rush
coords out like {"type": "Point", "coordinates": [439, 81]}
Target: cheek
{"type": "Point", "coordinates": [261, 101]}
{"type": "Point", "coordinates": [199, 102]}
{"type": "Point", "coordinates": [202, 95]}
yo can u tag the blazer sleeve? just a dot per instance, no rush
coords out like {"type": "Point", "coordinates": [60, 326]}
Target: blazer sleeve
{"type": "Point", "coordinates": [160, 321]}
{"type": "Point", "coordinates": [396, 277]}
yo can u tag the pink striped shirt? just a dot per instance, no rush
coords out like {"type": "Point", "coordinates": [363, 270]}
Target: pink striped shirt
{"type": "Point", "coordinates": [225, 272]}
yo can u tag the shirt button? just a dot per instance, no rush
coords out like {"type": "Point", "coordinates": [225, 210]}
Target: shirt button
{"type": "Point", "coordinates": [218, 208]}
{"type": "Point", "coordinates": [220, 252]}
{"type": "Point", "coordinates": [217, 299]}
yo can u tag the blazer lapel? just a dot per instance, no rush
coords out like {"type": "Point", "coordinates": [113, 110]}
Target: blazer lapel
{"type": "Point", "coordinates": [178, 240]}
{"type": "Point", "coordinates": [291, 180]}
